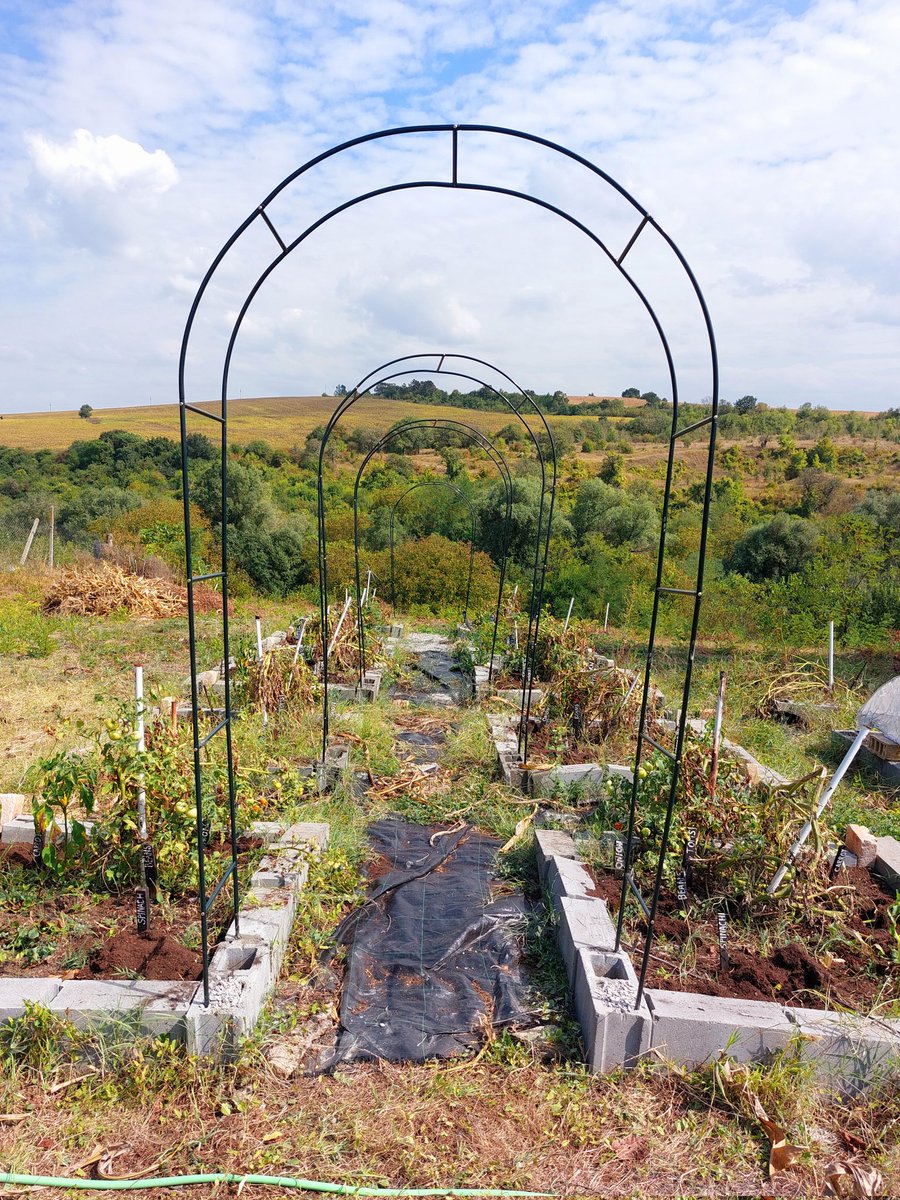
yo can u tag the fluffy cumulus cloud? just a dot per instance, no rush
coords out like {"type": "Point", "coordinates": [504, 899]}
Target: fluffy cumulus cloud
{"type": "Point", "coordinates": [111, 164]}
{"type": "Point", "coordinates": [135, 138]}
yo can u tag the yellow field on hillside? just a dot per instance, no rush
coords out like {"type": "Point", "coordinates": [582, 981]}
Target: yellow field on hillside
{"type": "Point", "coordinates": [282, 421]}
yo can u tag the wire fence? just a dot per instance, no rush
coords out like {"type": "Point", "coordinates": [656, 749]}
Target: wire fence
{"type": "Point", "coordinates": [27, 540]}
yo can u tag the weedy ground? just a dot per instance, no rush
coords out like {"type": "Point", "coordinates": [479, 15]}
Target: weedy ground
{"type": "Point", "coordinates": [514, 1117]}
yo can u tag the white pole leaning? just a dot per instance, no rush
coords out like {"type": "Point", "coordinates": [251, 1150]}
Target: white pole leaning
{"type": "Point", "coordinates": [141, 745]}
{"type": "Point", "coordinates": [831, 656]}
{"type": "Point", "coordinates": [568, 614]}
{"type": "Point", "coordinates": [259, 658]}
{"type": "Point", "coordinates": [804, 833]}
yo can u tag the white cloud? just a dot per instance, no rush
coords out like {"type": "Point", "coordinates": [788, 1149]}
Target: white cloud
{"type": "Point", "coordinates": [113, 164]}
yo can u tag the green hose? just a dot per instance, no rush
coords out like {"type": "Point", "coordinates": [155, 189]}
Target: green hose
{"type": "Point", "coordinates": [303, 1185]}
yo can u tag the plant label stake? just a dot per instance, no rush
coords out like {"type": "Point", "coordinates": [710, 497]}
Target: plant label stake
{"type": "Point", "coordinates": [690, 849]}
{"type": "Point", "coordinates": [619, 856]}
{"type": "Point", "coordinates": [142, 909]}
{"type": "Point", "coordinates": [681, 890]}
{"type": "Point", "coordinates": [149, 871]}
{"type": "Point", "coordinates": [37, 847]}
{"type": "Point", "coordinates": [838, 862]}
{"type": "Point", "coordinates": [722, 922]}
{"type": "Point", "coordinates": [205, 833]}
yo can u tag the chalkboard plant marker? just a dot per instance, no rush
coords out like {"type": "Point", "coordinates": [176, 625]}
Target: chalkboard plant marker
{"type": "Point", "coordinates": [838, 863]}
{"type": "Point", "coordinates": [142, 909]}
{"type": "Point", "coordinates": [722, 922]}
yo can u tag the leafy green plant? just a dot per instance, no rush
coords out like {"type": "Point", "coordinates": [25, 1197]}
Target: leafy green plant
{"type": "Point", "coordinates": [66, 782]}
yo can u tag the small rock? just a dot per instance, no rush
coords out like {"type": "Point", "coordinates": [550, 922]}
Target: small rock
{"type": "Point", "coordinates": [860, 841]}
{"type": "Point", "coordinates": [284, 1059]}
{"type": "Point", "coordinates": [887, 862]}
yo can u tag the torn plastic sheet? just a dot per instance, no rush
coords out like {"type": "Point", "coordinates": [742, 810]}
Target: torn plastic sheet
{"type": "Point", "coordinates": [432, 955]}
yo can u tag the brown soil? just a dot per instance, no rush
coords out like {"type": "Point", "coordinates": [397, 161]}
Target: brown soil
{"type": "Point", "coordinates": [145, 955]}
{"type": "Point", "coordinates": [86, 935]}
{"type": "Point", "coordinates": [575, 752]}
{"type": "Point", "coordinates": [854, 972]}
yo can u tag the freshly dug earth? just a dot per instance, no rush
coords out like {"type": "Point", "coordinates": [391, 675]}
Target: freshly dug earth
{"type": "Point", "coordinates": [853, 970]}
{"type": "Point", "coordinates": [79, 934]}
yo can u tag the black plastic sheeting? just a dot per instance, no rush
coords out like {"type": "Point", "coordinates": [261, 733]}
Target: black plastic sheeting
{"type": "Point", "coordinates": [432, 956]}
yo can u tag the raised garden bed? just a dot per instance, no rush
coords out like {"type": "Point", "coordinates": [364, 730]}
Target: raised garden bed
{"type": "Point", "coordinates": [76, 933]}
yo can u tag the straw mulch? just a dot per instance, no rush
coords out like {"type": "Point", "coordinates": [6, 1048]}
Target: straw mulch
{"type": "Point", "coordinates": [100, 589]}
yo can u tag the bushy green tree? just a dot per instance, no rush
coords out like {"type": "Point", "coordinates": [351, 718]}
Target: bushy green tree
{"type": "Point", "coordinates": [775, 549]}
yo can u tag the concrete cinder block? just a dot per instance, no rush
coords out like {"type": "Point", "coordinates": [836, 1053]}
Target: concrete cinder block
{"type": "Point", "coordinates": [855, 1050]}
{"type": "Point", "coordinates": [887, 862]}
{"type": "Point", "coordinates": [691, 1029]}
{"type": "Point", "coordinates": [569, 877]}
{"type": "Point", "coordinates": [19, 830]}
{"type": "Point", "coordinates": [588, 778]}
{"type": "Point", "coordinates": [308, 831]}
{"type": "Point", "coordinates": [157, 1007]}
{"type": "Point", "coordinates": [14, 993]}
{"type": "Point", "coordinates": [549, 843]}
{"type": "Point", "coordinates": [583, 925]}
{"type": "Point", "coordinates": [615, 1032]}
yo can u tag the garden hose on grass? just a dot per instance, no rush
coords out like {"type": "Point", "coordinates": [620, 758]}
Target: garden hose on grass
{"type": "Point", "coordinates": [302, 1185]}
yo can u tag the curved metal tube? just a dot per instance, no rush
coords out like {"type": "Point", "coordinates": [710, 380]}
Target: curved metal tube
{"type": "Point", "coordinates": [499, 461]}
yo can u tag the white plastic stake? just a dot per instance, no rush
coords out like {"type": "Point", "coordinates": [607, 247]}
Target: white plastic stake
{"type": "Point", "coordinates": [804, 833]}
{"type": "Point", "coordinates": [717, 734]}
{"type": "Point", "coordinates": [568, 614]}
{"type": "Point", "coordinates": [337, 628]}
{"type": "Point", "coordinates": [259, 657]}
{"type": "Point", "coordinates": [516, 631]}
{"type": "Point", "coordinates": [52, 532]}
{"type": "Point", "coordinates": [831, 656]}
{"type": "Point", "coordinates": [141, 746]}
{"type": "Point", "coordinates": [30, 539]}
{"type": "Point", "coordinates": [606, 618]}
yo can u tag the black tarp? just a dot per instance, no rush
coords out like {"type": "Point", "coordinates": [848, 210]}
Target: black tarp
{"type": "Point", "coordinates": [436, 950]}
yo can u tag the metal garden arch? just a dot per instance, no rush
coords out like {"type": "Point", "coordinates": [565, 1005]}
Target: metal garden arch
{"type": "Point", "coordinates": [525, 402]}
{"type": "Point", "coordinates": [454, 179]}
{"type": "Point", "coordinates": [499, 460]}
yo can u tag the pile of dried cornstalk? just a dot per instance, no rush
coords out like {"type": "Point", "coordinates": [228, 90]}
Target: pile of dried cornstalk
{"type": "Point", "coordinates": [101, 589]}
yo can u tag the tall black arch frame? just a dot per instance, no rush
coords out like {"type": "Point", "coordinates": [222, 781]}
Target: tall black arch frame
{"type": "Point", "coordinates": [456, 134]}
{"type": "Point", "coordinates": [484, 443]}
{"type": "Point", "coordinates": [546, 506]}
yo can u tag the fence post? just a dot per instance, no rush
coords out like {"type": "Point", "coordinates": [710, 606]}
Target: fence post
{"type": "Point", "coordinates": [22, 560]}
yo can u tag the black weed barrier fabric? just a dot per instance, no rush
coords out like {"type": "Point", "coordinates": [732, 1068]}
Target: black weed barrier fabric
{"type": "Point", "coordinates": [432, 956]}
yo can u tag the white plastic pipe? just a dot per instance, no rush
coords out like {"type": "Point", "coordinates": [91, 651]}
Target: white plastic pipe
{"type": "Point", "coordinates": [606, 618]}
{"type": "Point", "coordinates": [831, 656]}
{"type": "Point", "coordinates": [259, 657]}
{"type": "Point", "coordinates": [140, 743]}
{"type": "Point", "coordinates": [826, 796]}
{"type": "Point", "coordinates": [568, 614]}
{"type": "Point", "coordinates": [337, 628]}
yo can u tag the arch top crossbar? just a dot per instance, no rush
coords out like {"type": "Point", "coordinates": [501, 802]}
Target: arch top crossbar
{"type": "Point", "coordinates": [618, 257]}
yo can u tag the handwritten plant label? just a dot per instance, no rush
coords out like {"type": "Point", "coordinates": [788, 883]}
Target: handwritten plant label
{"type": "Point", "coordinates": [690, 849]}
{"type": "Point", "coordinates": [37, 846]}
{"type": "Point", "coordinates": [148, 861]}
{"type": "Point", "coordinates": [838, 862]}
{"type": "Point", "coordinates": [619, 855]}
{"type": "Point", "coordinates": [142, 909]}
{"type": "Point", "coordinates": [681, 890]}
{"type": "Point", "coordinates": [722, 922]}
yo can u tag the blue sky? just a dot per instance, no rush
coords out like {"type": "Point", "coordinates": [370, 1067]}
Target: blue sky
{"type": "Point", "coordinates": [135, 136]}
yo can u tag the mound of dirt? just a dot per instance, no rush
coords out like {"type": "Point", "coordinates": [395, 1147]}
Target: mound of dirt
{"type": "Point", "coordinates": [147, 955]}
